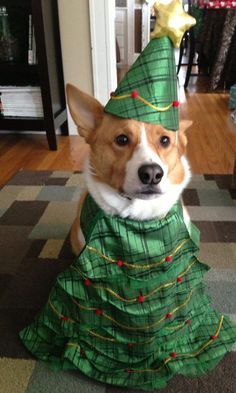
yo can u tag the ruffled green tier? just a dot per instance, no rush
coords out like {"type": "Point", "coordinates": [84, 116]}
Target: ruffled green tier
{"type": "Point", "coordinates": [132, 312]}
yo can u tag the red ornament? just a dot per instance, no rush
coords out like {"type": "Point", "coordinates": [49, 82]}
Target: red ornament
{"type": "Point", "coordinates": [87, 282]}
{"type": "Point", "coordinates": [134, 94]}
{"type": "Point", "coordinates": [64, 318]}
{"type": "Point", "coordinates": [213, 337]}
{"type": "Point", "coordinates": [98, 311]}
{"type": "Point", "coordinates": [188, 321]}
{"type": "Point", "coordinates": [120, 263]}
{"type": "Point", "coordinates": [173, 355]}
{"type": "Point", "coordinates": [168, 258]}
{"type": "Point", "coordinates": [169, 315]}
{"type": "Point", "coordinates": [175, 104]}
{"type": "Point", "coordinates": [179, 279]}
{"type": "Point", "coordinates": [141, 299]}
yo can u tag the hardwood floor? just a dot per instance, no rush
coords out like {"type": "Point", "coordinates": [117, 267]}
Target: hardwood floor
{"type": "Point", "coordinates": [212, 137]}
{"type": "Point", "coordinates": [24, 151]}
{"type": "Point", "coordinates": [211, 147]}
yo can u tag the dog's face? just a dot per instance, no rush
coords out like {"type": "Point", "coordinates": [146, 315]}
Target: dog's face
{"type": "Point", "coordinates": [137, 159]}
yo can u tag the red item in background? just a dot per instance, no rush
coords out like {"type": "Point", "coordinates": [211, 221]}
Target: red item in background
{"type": "Point", "coordinates": [216, 4]}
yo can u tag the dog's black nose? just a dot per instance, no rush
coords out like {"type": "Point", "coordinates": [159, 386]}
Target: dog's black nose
{"type": "Point", "coordinates": [150, 173]}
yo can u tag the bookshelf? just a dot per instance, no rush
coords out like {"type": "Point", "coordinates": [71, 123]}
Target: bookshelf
{"type": "Point", "coordinates": [47, 73]}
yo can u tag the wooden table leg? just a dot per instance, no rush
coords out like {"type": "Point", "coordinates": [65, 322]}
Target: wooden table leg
{"type": "Point", "coordinates": [234, 175]}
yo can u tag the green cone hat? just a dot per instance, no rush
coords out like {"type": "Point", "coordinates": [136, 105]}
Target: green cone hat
{"type": "Point", "coordinates": [148, 92]}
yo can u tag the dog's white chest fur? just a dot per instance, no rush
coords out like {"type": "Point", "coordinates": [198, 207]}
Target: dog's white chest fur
{"type": "Point", "coordinates": [114, 203]}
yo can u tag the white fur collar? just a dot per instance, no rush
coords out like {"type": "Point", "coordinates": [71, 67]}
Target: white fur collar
{"type": "Point", "coordinates": [110, 201]}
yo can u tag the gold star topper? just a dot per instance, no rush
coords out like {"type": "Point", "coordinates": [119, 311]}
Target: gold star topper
{"type": "Point", "coordinates": [171, 21]}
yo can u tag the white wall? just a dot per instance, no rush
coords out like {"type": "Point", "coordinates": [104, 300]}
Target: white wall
{"type": "Point", "coordinates": [87, 30]}
{"type": "Point", "coordinates": [76, 46]}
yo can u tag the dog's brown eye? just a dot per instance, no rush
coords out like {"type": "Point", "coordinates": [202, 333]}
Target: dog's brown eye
{"type": "Point", "coordinates": [122, 140]}
{"type": "Point", "coordinates": [164, 141]}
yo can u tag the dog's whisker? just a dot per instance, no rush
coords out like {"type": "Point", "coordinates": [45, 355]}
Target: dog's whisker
{"type": "Point", "coordinates": [92, 170]}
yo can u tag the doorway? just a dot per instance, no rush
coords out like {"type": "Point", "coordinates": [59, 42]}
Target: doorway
{"type": "Point", "coordinates": [132, 30]}
{"type": "Point", "coordinates": [119, 29]}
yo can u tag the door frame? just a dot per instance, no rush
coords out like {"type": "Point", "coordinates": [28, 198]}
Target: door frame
{"type": "Point", "coordinates": [103, 43]}
{"type": "Point", "coordinates": [130, 31]}
{"type": "Point", "coordinates": [145, 8]}
{"type": "Point", "coordinates": [103, 48]}
{"type": "Point", "coordinates": [146, 17]}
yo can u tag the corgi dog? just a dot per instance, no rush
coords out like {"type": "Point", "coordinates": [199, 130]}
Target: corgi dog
{"type": "Point", "coordinates": [135, 170]}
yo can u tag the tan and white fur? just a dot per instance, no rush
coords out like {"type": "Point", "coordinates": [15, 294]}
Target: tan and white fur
{"type": "Point", "coordinates": [140, 178]}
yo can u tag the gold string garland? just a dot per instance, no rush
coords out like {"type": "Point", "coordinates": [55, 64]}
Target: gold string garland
{"type": "Point", "coordinates": [137, 266]}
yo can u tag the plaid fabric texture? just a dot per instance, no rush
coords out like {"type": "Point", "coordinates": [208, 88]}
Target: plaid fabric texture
{"type": "Point", "coordinates": [132, 310]}
{"type": "Point", "coordinates": [153, 76]}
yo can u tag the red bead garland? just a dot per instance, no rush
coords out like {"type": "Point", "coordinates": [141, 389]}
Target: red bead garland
{"type": "Point", "coordinates": [130, 345]}
{"type": "Point", "coordinates": [173, 355]}
{"type": "Point", "coordinates": [87, 282]}
{"type": "Point", "coordinates": [213, 337]}
{"type": "Point", "coordinates": [64, 318]}
{"type": "Point", "coordinates": [168, 258]}
{"type": "Point", "coordinates": [98, 311]}
{"type": "Point", "coordinates": [179, 279]}
{"type": "Point", "coordinates": [188, 321]}
{"type": "Point", "coordinates": [134, 94]}
{"type": "Point", "coordinates": [169, 315]}
{"type": "Point", "coordinates": [175, 104]}
{"type": "Point", "coordinates": [120, 263]}
{"type": "Point", "coordinates": [141, 299]}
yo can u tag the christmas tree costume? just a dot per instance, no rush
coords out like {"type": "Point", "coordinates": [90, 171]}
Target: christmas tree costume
{"type": "Point", "coordinates": [132, 309]}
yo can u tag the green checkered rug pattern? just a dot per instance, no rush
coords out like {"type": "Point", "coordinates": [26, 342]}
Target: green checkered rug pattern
{"type": "Point", "coordinates": [36, 212]}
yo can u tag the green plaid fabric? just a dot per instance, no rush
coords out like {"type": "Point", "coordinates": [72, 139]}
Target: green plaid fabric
{"type": "Point", "coordinates": [132, 309]}
{"type": "Point", "coordinates": [153, 76]}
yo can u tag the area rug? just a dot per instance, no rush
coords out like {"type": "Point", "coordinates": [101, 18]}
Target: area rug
{"type": "Point", "coordinates": [36, 212]}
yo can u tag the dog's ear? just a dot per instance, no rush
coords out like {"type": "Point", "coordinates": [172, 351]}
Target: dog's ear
{"type": "Point", "coordinates": [185, 124]}
{"type": "Point", "coordinates": [85, 110]}
{"type": "Point", "coordinates": [182, 139]}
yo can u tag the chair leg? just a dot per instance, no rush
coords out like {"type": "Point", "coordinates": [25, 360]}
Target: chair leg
{"type": "Point", "coordinates": [191, 57]}
{"type": "Point", "coordinates": [233, 185]}
{"type": "Point", "coordinates": [181, 51]}
{"type": "Point", "coordinates": [64, 128]}
{"type": "Point", "coordinates": [51, 138]}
